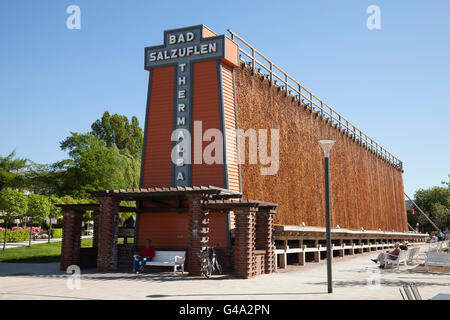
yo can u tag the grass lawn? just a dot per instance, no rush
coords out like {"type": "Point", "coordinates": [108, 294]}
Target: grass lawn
{"type": "Point", "coordinates": [42, 253]}
{"type": "Point", "coordinates": [37, 253]}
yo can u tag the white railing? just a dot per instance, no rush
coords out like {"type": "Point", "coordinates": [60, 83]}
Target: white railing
{"type": "Point", "coordinates": [258, 62]}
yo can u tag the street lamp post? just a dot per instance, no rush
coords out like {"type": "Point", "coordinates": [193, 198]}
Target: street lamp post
{"type": "Point", "coordinates": [326, 146]}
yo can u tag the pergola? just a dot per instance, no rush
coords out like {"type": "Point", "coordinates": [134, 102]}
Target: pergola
{"type": "Point", "coordinates": [253, 251]}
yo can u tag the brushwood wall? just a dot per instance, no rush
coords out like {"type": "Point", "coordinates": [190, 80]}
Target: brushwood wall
{"type": "Point", "coordinates": [366, 191]}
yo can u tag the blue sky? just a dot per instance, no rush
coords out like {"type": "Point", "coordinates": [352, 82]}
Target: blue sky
{"type": "Point", "coordinates": [393, 83]}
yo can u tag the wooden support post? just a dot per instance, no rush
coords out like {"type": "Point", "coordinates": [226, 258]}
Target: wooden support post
{"type": "Point", "coordinates": [301, 255]}
{"type": "Point", "coordinates": [283, 260]}
{"type": "Point", "coordinates": [317, 253]}
{"type": "Point", "coordinates": [342, 251]}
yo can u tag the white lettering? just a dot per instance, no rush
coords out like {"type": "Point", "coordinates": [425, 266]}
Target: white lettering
{"type": "Point", "coordinates": [189, 36]}
{"type": "Point", "coordinates": [180, 162]}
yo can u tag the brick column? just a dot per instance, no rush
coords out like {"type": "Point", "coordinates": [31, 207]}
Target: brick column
{"type": "Point", "coordinates": [77, 237]}
{"type": "Point", "coordinates": [95, 216]}
{"type": "Point", "coordinates": [198, 233]}
{"type": "Point", "coordinates": [107, 234]}
{"type": "Point", "coordinates": [71, 239]}
{"type": "Point", "coordinates": [264, 237]}
{"type": "Point", "coordinates": [244, 243]}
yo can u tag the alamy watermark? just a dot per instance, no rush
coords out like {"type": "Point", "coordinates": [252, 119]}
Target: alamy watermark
{"type": "Point", "coordinates": [374, 20]}
{"type": "Point", "coordinates": [260, 151]}
{"type": "Point", "coordinates": [74, 280]}
{"type": "Point", "coordinates": [73, 21]}
{"type": "Point", "coordinates": [374, 279]}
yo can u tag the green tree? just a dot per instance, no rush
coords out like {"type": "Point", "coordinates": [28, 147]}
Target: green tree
{"type": "Point", "coordinates": [11, 171]}
{"type": "Point", "coordinates": [54, 213]}
{"type": "Point", "coordinates": [94, 166]}
{"type": "Point", "coordinates": [45, 179]}
{"type": "Point", "coordinates": [117, 131]}
{"type": "Point", "coordinates": [435, 202]}
{"type": "Point", "coordinates": [108, 157]}
{"type": "Point", "coordinates": [13, 204]}
{"type": "Point", "coordinates": [38, 209]}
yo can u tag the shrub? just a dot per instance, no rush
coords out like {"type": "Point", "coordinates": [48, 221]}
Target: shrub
{"type": "Point", "coordinates": [15, 235]}
{"type": "Point", "coordinates": [57, 233]}
{"type": "Point", "coordinates": [35, 230]}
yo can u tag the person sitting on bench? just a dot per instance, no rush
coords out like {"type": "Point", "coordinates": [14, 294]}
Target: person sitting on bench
{"type": "Point", "coordinates": [392, 255]}
{"type": "Point", "coordinates": [147, 254]}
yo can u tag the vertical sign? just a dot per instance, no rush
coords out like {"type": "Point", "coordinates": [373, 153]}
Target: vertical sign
{"type": "Point", "coordinates": [181, 48]}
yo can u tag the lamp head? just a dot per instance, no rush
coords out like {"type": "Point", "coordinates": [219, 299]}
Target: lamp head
{"type": "Point", "coordinates": [326, 146]}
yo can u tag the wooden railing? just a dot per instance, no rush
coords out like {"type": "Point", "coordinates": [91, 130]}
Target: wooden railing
{"type": "Point", "coordinates": [259, 63]}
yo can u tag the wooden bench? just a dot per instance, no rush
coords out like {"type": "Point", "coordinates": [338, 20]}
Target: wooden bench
{"type": "Point", "coordinates": [396, 263]}
{"type": "Point", "coordinates": [173, 259]}
{"type": "Point", "coordinates": [441, 259]}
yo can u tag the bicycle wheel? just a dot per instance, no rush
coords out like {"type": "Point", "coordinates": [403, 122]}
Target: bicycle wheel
{"type": "Point", "coordinates": [209, 268]}
{"type": "Point", "coordinates": [218, 267]}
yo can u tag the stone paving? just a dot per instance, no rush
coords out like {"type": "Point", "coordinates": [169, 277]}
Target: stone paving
{"type": "Point", "coordinates": [354, 277]}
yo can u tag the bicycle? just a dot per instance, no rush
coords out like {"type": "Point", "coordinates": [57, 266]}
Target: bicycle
{"type": "Point", "coordinates": [215, 262]}
{"type": "Point", "coordinates": [205, 263]}
{"type": "Point", "coordinates": [208, 265]}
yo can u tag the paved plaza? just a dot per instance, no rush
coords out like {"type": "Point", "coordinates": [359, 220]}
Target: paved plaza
{"type": "Point", "coordinates": [354, 277]}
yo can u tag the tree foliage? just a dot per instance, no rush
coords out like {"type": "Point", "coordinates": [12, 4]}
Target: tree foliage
{"type": "Point", "coordinates": [109, 157]}
{"type": "Point", "coordinates": [117, 131]}
{"type": "Point", "coordinates": [94, 166]}
{"type": "Point", "coordinates": [13, 204]}
{"type": "Point", "coordinates": [38, 206]}
{"type": "Point", "coordinates": [11, 171]}
{"type": "Point", "coordinates": [435, 202]}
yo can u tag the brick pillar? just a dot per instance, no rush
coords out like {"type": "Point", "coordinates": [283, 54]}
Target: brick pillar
{"type": "Point", "coordinates": [77, 237]}
{"type": "Point", "coordinates": [107, 234]}
{"type": "Point", "coordinates": [95, 216]}
{"type": "Point", "coordinates": [71, 239]}
{"type": "Point", "coordinates": [264, 237]}
{"type": "Point", "coordinates": [244, 243]}
{"type": "Point", "coordinates": [198, 233]}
